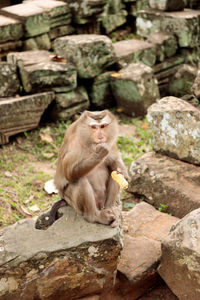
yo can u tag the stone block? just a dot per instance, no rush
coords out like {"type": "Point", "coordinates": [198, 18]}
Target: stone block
{"type": "Point", "coordinates": [35, 19]}
{"type": "Point", "coordinates": [39, 71]}
{"type": "Point", "coordinates": [69, 260]}
{"type": "Point", "coordinates": [176, 127]}
{"type": "Point", "coordinates": [166, 45]}
{"type": "Point", "coordinates": [11, 29]}
{"type": "Point", "coordinates": [110, 22]}
{"type": "Point", "coordinates": [169, 184]}
{"type": "Point", "coordinates": [22, 113]}
{"type": "Point", "coordinates": [181, 257]}
{"type": "Point", "coordinates": [196, 86]}
{"type": "Point", "coordinates": [136, 6]}
{"type": "Point", "coordinates": [183, 24]}
{"type": "Point", "coordinates": [40, 42]}
{"type": "Point", "coordinates": [11, 46]}
{"type": "Point", "coordinates": [101, 96]}
{"type": "Point", "coordinates": [132, 51]}
{"type": "Point", "coordinates": [91, 54]}
{"type": "Point", "coordinates": [167, 5]}
{"type": "Point", "coordinates": [9, 83]}
{"type": "Point", "coordinates": [68, 104]}
{"type": "Point", "coordinates": [144, 229]}
{"type": "Point", "coordinates": [135, 88]}
{"type": "Point", "coordinates": [180, 83]}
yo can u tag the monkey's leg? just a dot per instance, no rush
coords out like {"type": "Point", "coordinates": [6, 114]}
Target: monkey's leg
{"type": "Point", "coordinates": [112, 193]}
{"type": "Point", "coordinates": [82, 199]}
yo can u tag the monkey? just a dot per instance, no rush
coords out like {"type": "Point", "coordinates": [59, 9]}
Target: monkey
{"type": "Point", "coordinates": [87, 157]}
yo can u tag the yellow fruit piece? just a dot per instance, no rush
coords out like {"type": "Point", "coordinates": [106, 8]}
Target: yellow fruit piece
{"type": "Point", "coordinates": [119, 178]}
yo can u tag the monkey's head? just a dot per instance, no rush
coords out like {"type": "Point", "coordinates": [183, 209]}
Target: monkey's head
{"type": "Point", "coordinates": [99, 127]}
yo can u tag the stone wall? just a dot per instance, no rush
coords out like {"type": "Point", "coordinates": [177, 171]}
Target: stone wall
{"type": "Point", "coordinates": [95, 55]}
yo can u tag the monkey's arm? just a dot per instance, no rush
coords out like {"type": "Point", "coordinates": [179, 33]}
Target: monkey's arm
{"type": "Point", "coordinates": [75, 169]}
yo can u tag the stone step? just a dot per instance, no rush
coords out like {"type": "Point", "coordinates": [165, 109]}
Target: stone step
{"type": "Point", "coordinates": [22, 113]}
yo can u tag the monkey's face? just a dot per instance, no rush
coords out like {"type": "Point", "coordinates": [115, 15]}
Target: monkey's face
{"type": "Point", "coordinates": [101, 127]}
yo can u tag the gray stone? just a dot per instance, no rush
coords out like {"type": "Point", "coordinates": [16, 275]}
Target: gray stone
{"type": "Point", "coordinates": [101, 96]}
{"type": "Point", "coordinates": [167, 5]}
{"type": "Point", "coordinates": [135, 88]}
{"type": "Point", "coordinates": [110, 22]}
{"type": "Point", "coordinates": [166, 45]}
{"type": "Point", "coordinates": [136, 6]}
{"type": "Point", "coordinates": [9, 83]}
{"type": "Point", "coordinates": [176, 127]}
{"type": "Point", "coordinates": [22, 113]}
{"type": "Point", "coordinates": [11, 29]}
{"type": "Point", "coordinates": [181, 82]}
{"type": "Point", "coordinates": [181, 257]}
{"type": "Point", "coordinates": [40, 71]}
{"type": "Point", "coordinates": [129, 51]}
{"type": "Point", "coordinates": [169, 184]}
{"type": "Point", "coordinates": [68, 104]}
{"type": "Point", "coordinates": [91, 54]}
{"type": "Point", "coordinates": [183, 24]}
{"type": "Point", "coordinates": [72, 258]}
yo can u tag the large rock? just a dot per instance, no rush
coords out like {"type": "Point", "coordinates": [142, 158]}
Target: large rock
{"type": "Point", "coordinates": [22, 113]}
{"type": "Point", "coordinates": [167, 5]}
{"type": "Point", "coordinates": [168, 184]}
{"type": "Point", "coordinates": [183, 24]}
{"type": "Point", "coordinates": [40, 70]}
{"type": "Point", "coordinates": [91, 54]}
{"type": "Point", "coordinates": [165, 44]}
{"type": "Point", "coordinates": [181, 82]}
{"type": "Point", "coordinates": [181, 257]}
{"type": "Point", "coordinates": [144, 229]}
{"type": "Point", "coordinates": [135, 88]}
{"type": "Point", "coordinates": [35, 19]}
{"type": "Point", "coordinates": [9, 83]}
{"type": "Point", "coordinates": [11, 29]}
{"type": "Point", "coordinates": [101, 96]}
{"type": "Point", "coordinates": [40, 42]}
{"type": "Point", "coordinates": [176, 127]}
{"type": "Point", "coordinates": [129, 51]}
{"type": "Point", "coordinates": [69, 260]}
{"type": "Point", "coordinates": [68, 104]}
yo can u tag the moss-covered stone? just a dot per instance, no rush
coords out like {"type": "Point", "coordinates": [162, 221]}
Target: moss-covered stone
{"type": "Point", "coordinates": [11, 29]}
{"type": "Point", "coordinates": [39, 72]}
{"type": "Point", "coordinates": [166, 45]}
{"type": "Point", "coordinates": [100, 93]}
{"type": "Point", "coordinates": [181, 83]}
{"type": "Point", "coordinates": [40, 42]}
{"type": "Point", "coordinates": [167, 5]}
{"type": "Point", "coordinates": [196, 87]}
{"type": "Point", "coordinates": [129, 51]}
{"type": "Point", "coordinates": [135, 88]}
{"type": "Point", "coordinates": [136, 6]}
{"type": "Point", "coordinates": [9, 83]}
{"type": "Point", "coordinates": [91, 54]}
{"type": "Point", "coordinates": [35, 19]}
{"type": "Point", "coordinates": [11, 46]}
{"type": "Point", "coordinates": [68, 104]}
{"type": "Point", "coordinates": [184, 24]}
{"type": "Point", "coordinates": [61, 31]}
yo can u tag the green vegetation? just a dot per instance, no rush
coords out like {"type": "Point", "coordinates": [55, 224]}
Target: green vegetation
{"type": "Point", "coordinates": [29, 160]}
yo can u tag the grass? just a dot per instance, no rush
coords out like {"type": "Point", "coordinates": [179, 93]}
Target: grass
{"type": "Point", "coordinates": [29, 160]}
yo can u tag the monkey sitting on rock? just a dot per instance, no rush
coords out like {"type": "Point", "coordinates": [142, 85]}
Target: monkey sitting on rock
{"type": "Point", "coordinates": [88, 156]}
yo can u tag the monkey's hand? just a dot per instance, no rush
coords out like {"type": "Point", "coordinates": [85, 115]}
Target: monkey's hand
{"type": "Point", "coordinates": [124, 173]}
{"type": "Point", "coordinates": [101, 151]}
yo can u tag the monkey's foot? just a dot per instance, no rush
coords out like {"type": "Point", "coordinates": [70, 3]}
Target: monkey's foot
{"type": "Point", "coordinates": [44, 221]}
{"type": "Point", "coordinates": [107, 217]}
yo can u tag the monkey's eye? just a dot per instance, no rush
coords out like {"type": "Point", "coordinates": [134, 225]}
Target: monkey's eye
{"type": "Point", "coordinates": [94, 126]}
{"type": "Point", "coordinates": [104, 125]}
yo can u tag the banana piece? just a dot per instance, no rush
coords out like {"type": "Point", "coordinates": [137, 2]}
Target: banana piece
{"type": "Point", "coordinates": [119, 178]}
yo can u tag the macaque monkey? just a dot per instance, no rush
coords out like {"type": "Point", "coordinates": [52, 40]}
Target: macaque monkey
{"type": "Point", "coordinates": [87, 157]}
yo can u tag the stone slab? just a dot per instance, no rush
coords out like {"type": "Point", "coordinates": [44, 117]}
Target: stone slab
{"type": "Point", "coordinates": [166, 183]}
{"type": "Point", "coordinates": [11, 29]}
{"type": "Point", "coordinates": [9, 83]}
